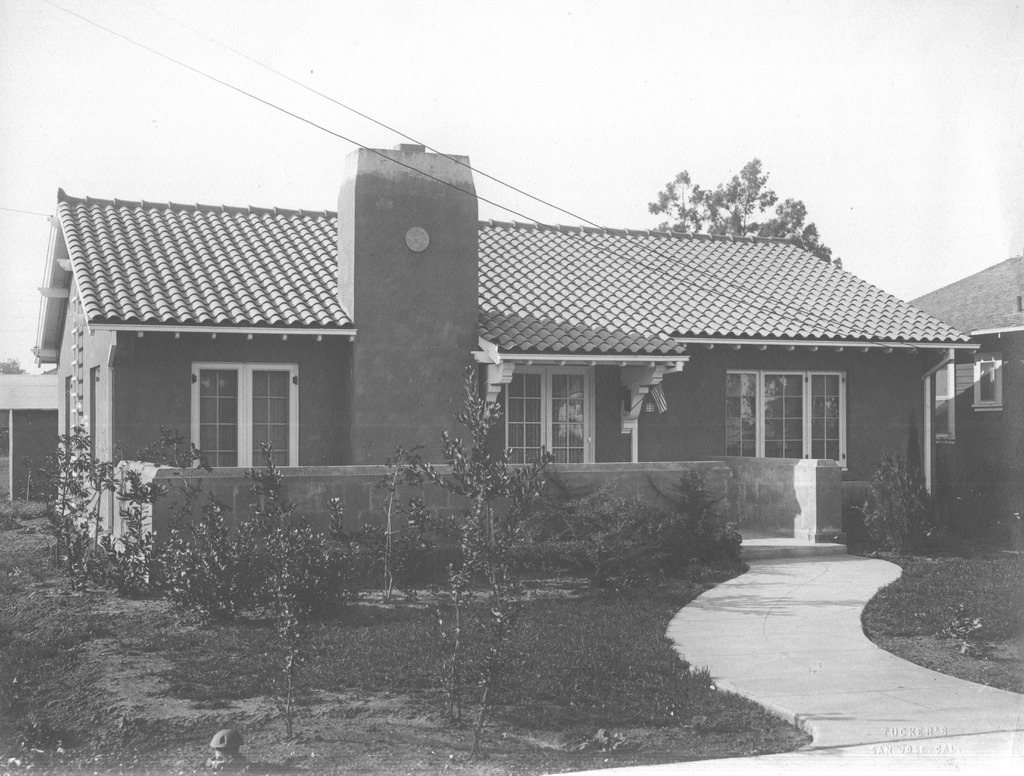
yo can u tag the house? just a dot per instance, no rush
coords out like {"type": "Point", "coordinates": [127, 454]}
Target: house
{"type": "Point", "coordinates": [28, 431]}
{"type": "Point", "coordinates": [340, 335]}
{"type": "Point", "coordinates": [979, 395]}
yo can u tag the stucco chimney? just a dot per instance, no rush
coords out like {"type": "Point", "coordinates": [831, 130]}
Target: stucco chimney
{"type": "Point", "coordinates": [407, 273]}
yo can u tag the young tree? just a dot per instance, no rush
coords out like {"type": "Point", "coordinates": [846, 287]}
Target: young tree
{"type": "Point", "coordinates": [737, 207]}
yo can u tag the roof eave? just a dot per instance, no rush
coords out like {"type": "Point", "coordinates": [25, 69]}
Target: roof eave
{"type": "Point", "coordinates": [250, 331]}
{"type": "Point", "coordinates": [58, 280]}
{"type": "Point", "coordinates": [997, 330]}
{"type": "Point", "coordinates": [838, 344]}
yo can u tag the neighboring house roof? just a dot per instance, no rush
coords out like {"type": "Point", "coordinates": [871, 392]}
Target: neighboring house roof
{"type": "Point", "coordinates": [542, 288]}
{"type": "Point", "coordinates": [990, 299]}
{"type": "Point", "coordinates": [28, 392]}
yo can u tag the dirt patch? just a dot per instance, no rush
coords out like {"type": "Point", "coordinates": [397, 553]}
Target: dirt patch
{"type": "Point", "coordinates": [90, 676]}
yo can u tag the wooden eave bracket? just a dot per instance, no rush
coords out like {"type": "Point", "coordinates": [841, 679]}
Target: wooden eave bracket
{"type": "Point", "coordinates": [498, 372]}
{"type": "Point", "coordinates": [638, 380]}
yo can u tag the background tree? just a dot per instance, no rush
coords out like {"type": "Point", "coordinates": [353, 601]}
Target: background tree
{"type": "Point", "coordinates": [11, 366]}
{"type": "Point", "coordinates": [742, 206]}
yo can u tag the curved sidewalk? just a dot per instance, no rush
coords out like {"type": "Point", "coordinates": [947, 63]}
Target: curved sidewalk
{"type": "Point", "coordinates": [787, 634]}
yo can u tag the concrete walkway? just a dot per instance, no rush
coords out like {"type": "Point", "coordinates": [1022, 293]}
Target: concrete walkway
{"type": "Point", "coordinates": [787, 634]}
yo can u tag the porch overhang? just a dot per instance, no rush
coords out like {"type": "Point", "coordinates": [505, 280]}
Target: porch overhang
{"type": "Point", "coordinates": [500, 365]}
{"type": "Point", "coordinates": [639, 372]}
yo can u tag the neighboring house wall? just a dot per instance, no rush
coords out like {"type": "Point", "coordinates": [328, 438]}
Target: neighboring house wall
{"type": "Point", "coordinates": [29, 416]}
{"type": "Point", "coordinates": [33, 440]}
{"type": "Point", "coordinates": [985, 461]}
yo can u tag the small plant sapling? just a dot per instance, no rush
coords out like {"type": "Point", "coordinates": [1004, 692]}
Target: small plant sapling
{"type": "Point", "coordinates": [488, 536]}
{"type": "Point", "coordinates": [77, 482]}
{"type": "Point", "coordinates": [962, 629]}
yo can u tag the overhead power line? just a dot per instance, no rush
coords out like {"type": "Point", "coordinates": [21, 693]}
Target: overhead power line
{"type": "Point", "coordinates": [368, 117]}
{"type": "Point", "coordinates": [279, 108]}
{"type": "Point", "coordinates": [774, 306]}
{"type": "Point", "coordinates": [25, 212]}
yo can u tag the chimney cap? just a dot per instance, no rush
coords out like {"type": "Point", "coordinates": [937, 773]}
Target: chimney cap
{"type": "Point", "coordinates": [411, 148]}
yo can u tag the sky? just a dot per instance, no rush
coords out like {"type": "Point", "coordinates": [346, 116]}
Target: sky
{"type": "Point", "coordinates": [900, 124]}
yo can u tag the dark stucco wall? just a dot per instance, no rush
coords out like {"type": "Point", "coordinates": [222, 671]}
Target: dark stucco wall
{"type": "Point", "coordinates": [883, 394]}
{"type": "Point", "coordinates": [416, 310]}
{"type": "Point", "coordinates": [152, 385]}
{"type": "Point", "coordinates": [610, 444]}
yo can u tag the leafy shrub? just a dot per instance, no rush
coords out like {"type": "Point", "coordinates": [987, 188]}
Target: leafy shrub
{"type": "Point", "coordinates": [273, 557]}
{"type": "Point", "coordinates": [202, 566]}
{"type": "Point", "coordinates": [129, 562]}
{"type": "Point", "coordinates": [898, 514]}
{"type": "Point", "coordinates": [606, 536]}
{"type": "Point", "coordinates": [76, 481]}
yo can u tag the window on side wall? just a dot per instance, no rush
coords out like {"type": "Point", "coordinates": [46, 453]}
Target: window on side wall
{"type": "Point", "coordinates": [988, 381]}
{"type": "Point", "coordinates": [786, 414]}
{"type": "Point", "coordinates": [945, 403]}
{"type": "Point", "coordinates": [550, 408]}
{"type": "Point", "coordinates": [236, 407]}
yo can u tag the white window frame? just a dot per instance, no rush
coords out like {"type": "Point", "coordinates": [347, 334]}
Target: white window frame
{"type": "Point", "coordinates": [546, 373]}
{"type": "Point", "coordinates": [950, 398]}
{"type": "Point", "coordinates": [244, 420]}
{"type": "Point", "coordinates": [806, 376]}
{"type": "Point", "coordinates": [996, 403]}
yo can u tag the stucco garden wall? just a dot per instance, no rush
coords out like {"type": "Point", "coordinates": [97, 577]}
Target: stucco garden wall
{"type": "Point", "coordinates": [776, 497]}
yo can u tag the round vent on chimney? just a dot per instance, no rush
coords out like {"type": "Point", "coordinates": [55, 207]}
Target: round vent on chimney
{"type": "Point", "coordinates": [417, 239]}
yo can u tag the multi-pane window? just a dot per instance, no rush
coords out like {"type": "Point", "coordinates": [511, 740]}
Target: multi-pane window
{"type": "Point", "coordinates": [236, 407]}
{"type": "Point", "coordinates": [218, 415]}
{"type": "Point", "coordinates": [783, 415]}
{"type": "Point", "coordinates": [988, 381]}
{"type": "Point", "coordinates": [550, 409]}
{"type": "Point", "coordinates": [826, 390]}
{"type": "Point", "coordinates": [777, 414]}
{"type": "Point", "coordinates": [271, 393]}
{"type": "Point", "coordinates": [523, 417]}
{"type": "Point", "coordinates": [945, 402]}
{"type": "Point", "coordinates": [741, 413]}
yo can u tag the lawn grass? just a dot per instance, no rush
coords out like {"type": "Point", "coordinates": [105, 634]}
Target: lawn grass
{"type": "Point", "coordinates": [911, 616]}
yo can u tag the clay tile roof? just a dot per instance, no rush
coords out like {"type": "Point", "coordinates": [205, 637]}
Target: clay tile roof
{"type": "Point", "coordinates": [542, 288]}
{"type": "Point", "coordinates": [618, 291]}
{"type": "Point", "coordinates": [140, 262]}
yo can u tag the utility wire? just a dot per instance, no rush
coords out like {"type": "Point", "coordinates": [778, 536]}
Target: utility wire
{"type": "Point", "coordinates": [390, 128]}
{"type": "Point", "coordinates": [400, 133]}
{"type": "Point", "coordinates": [745, 300]}
{"type": "Point", "coordinates": [25, 212]}
{"type": "Point", "coordinates": [281, 109]}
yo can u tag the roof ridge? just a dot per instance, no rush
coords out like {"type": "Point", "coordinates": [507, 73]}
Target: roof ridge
{"type": "Point", "coordinates": [196, 207]}
{"type": "Point", "coordinates": [633, 232]}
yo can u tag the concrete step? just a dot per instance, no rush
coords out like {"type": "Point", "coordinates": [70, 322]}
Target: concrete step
{"type": "Point", "coordinates": [781, 547]}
